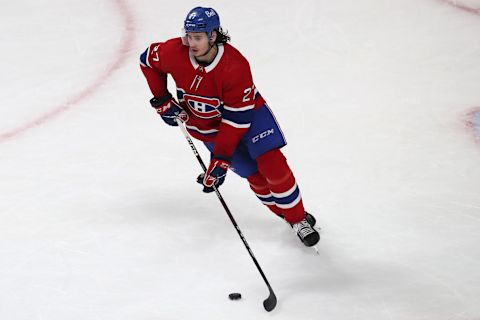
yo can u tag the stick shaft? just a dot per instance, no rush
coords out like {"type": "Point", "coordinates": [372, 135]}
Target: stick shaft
{"type": "Point", "coordinates": [271, 301]}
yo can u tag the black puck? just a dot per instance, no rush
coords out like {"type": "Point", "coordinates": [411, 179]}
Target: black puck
{"type": "Point", "coordinates": [235, 296]}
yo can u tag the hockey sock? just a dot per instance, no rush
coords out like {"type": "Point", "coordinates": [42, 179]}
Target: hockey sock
{"type": "Point", "coordinates": [260, 187]}
{"type": "Point", "coordinates": [282, 185]}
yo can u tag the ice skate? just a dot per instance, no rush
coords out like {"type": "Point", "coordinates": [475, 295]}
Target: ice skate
{"type": "Point", "coordinates": [309, 217]}
{"type": "Point", "coordinates": [307, 234]}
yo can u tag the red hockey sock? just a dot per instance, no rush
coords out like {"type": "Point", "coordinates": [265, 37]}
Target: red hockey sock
{"type": "Point", "coordinates": [260, 187]}
{"type": "Point", "coordinates": [282, 185]}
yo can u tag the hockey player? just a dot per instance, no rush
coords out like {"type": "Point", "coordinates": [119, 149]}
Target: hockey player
{"type": "Point", "coordinates": [220, 105]}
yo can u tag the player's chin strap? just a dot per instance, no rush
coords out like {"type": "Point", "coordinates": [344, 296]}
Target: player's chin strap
{"type": "Point", "coordinates": [269, 303]}
{"type": "Point", "coordinates": [209, 49]}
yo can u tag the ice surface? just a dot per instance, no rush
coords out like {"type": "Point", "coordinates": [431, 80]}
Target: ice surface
{"type": "Point", "coordinates": [100, 215]}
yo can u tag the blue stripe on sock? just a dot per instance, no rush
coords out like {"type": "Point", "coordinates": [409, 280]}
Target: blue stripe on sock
{"type": "Point", "coordinates": [288, 199]}
{"type": "Point", "coordinates": [267, 199]}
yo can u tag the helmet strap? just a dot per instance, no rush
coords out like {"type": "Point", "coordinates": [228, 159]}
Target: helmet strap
{"type": "Point", "coordinates": [209, 41]}
{"type": "Point", "coordinates": [211, 46]}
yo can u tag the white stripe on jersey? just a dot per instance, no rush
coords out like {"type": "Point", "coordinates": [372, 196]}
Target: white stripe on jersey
{"type": "Point", "coordinates": [236, 125]}
{"type": "Point", "coordinates": [202, 131]}
{"type": "Point", "coordinates": [240, 109]}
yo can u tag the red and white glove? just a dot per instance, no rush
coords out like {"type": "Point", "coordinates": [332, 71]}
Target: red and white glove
{"type": "Point", "coordinates": [169, 109]}
{"type": "Point", "coordinates": [216, 173]}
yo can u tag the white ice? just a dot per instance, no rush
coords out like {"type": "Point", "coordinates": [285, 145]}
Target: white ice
{"type": "Point", "coordinates": [100, 216]}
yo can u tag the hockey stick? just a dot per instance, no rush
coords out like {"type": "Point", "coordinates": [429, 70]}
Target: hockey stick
{"type": "Point", "coordinates": [269, 303]}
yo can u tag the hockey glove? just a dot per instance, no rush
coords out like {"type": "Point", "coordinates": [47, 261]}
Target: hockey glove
{"type": "Point", "coordinates": [200, 181]}
{"type": "Point", "coordinates": [215, 175]}
{"type": "Point", "coordinates": [169, 109]}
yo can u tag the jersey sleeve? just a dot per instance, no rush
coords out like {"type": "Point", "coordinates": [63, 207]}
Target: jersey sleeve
{"type": "Point", "coordinates": [151, 66]}
{"type": "Point", "coordinates": [238, 111]}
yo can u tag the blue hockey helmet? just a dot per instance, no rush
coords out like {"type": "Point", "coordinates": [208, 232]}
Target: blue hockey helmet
{"type": "Point", "coordinates": [202, 19]}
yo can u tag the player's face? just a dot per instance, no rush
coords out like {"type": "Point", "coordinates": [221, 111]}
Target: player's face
{"type": "Point", "coordinates": [198, 42]}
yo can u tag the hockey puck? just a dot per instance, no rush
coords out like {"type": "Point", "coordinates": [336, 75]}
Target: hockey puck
{"type": "Point", "coordinates": [235, 296]}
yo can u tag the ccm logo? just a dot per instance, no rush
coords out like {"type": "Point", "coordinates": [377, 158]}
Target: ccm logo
{"type": "Point", "coordinates": [262, 135]}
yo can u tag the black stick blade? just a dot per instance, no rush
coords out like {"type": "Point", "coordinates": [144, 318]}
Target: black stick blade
{"type": "Point", "coordinates": [270, 303]}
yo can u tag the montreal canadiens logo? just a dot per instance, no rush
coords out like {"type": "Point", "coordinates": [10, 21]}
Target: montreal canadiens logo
{"type": "Point", "coordinates": [203, 107]}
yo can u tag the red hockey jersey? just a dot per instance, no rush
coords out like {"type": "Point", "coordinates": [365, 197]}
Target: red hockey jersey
{"type": "Point", "coordinates": [220, 98]}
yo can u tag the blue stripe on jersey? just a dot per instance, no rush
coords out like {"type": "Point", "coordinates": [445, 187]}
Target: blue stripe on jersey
{"type": "Point", "coordinates": [288, 199]}
{"type": "Point", "coordinates": [240, 117]}
{"type": "Point", "coordinates": [143, 58]}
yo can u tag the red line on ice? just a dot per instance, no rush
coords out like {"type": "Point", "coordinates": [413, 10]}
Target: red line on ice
{"type": "Point", "coordinates": [461, 6]}
{"type": "Point", "coordinates": [471, 123]}
{"type": "Point", "coordinates": [121, 55]}
{"type": "Point", "coordinates": [470, 115]}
